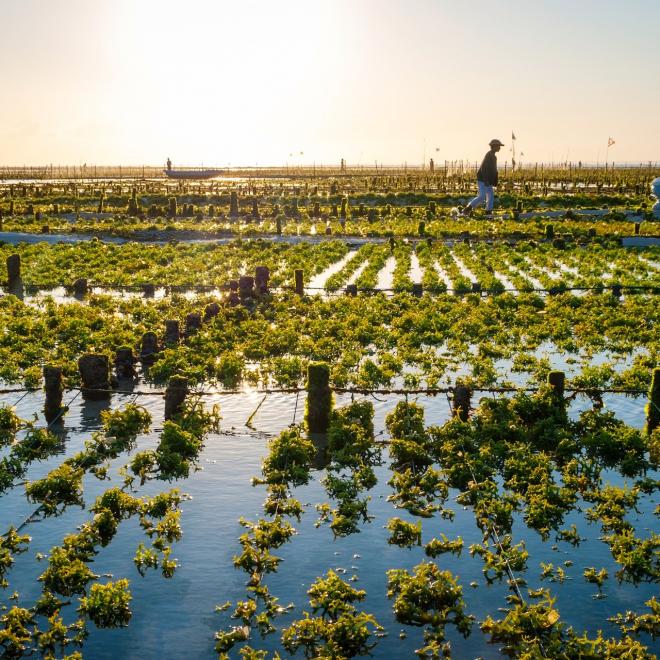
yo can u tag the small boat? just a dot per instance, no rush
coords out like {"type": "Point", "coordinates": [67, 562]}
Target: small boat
{"type": "Point", "coordinates": [192, 174]}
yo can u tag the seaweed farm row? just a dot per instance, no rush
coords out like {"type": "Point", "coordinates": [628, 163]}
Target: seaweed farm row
{"type": "Point", "coordinates": [396, 265]}
{"type": "Point", "coordinates": [361, 207]}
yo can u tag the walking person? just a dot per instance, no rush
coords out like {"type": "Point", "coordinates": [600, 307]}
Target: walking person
{"type": "Point", "coordinates": [486, 179]}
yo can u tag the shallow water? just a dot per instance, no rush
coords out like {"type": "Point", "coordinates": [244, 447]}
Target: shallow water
{"type": "Point", "coordinates": [386, 274]}
{"type": "Point", "coordinates": [175, 618]}
{"type": "Point", "coordinates": [318, 281]}
{"type": "Point", "coordinates": [416, 272]}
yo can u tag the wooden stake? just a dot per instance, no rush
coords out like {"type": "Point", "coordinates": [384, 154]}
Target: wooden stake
{"type": "Point", "coordinates": [557, 380]}
{"type": "Point", "coordinates": [462, 397]}
{"type": "Point", "coordinates": [54, 388]}
{"type": "Point", "coordinates": [319, 397]}
{"type": "Point", "coordinates": [299, 282]}
{"type": "Point", "coordinates": [175, 396]}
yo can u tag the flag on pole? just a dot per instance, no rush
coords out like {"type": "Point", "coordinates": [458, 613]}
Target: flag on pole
{"type": "Point", "coordinates": [610, 141]}
{"type": "Point", "coordinates": [513, 135]}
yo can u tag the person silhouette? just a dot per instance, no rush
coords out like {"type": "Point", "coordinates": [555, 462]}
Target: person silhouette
{"type": "Point", "coordinates": [486, 179]}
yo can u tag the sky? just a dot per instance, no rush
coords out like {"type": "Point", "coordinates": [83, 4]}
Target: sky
{"type": "Point", "coordinates": [246, 82]}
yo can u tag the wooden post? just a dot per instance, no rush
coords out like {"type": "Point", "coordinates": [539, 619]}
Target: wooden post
{"type": "Point", "coordinates": [175, 396]}
{"type": "Point", "coordinates": [125, 362]}
{"type": "Point", "coordinates": [319, 397]}
{"type": "Point", "coordinates": [95, 375]}
{"type": "Point", "coordinates": [299, 282]}
{"type": "Point", "coordinates": [653, 406]}
{"type": "Point", "coordinates": [54, 389]}
{"type": "Point", "coordinates": [149, 348]}
{"type": "Point", "coordinates": [417, 289]}
{"type": "Point", "coordinates": [246, 286]}
{"type": "Point", "coordinates": [233, 205]}
{"type": "Point", "coordinates": [149, 290]}
{"type": "Point", "coordinates": [172, 331]}
{"type": "Point", "coordinates": [549, 232]}
{"type": "Point", "coordinates": [80, 287]}
{"type": "Point", "coordinates": [351, 290]}
{"type": "Point", "coordinates": [14, 270]}
{"type": "Point", "coordinates": [233, 293]}
{"type": "Point", "coordinates": [557, 381]}
{"type": "Point", "coordinates": [193, 324]}
{"type": "Point", "coordinates": [476, 287]}
{"type": "Point", "coordinates": [637, 227]}
{"type": "Point", "coordinates": [261, 277]}
{"type": "Point", "coordinates": [211, 311]}
{"type": "Point", "coordinates": [462, 397]}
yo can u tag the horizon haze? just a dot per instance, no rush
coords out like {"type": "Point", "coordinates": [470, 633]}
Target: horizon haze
{"type": "Point", "coordinates": [261, 83]}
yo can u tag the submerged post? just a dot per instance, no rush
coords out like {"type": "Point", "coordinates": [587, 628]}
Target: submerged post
{"type": "Point", "coordinates": [80, 287]}
{"type": "Point", "coordinates": [557, 381]}
{"type": "Point", "coordinates": [653, 406]}
{"type": "Point", "coordinates": [149, 348]}
{"type": "Point", "coordinates": [125, 362]}
{"type": "Point", "coordinates": [319, 397]}
{"type": "Point", "coordinates": [300, 285]}
{"type": "Point", "coordinates": [193, 324]}
{"type": "Point", "coordinates": [172, 332]}
{"type": "Point", "coordinates": [261, 278]}
{"type": "Point", "coordinates": [175, 395]}
{"type": "Point", "coordinates": [95, 376]}
{"type": "Point", "coordinates": [462, 397]}
{"type": "Point", "coordinates": [14, 271]}
{"type": "Point", "coordinates": [211, 311]}
{"type": "Point", "coordinates": [246, 286]}
{"type": "Point", "coordinates": [54, 388]}
{"type": "Point", "coordinates": [233, 205]}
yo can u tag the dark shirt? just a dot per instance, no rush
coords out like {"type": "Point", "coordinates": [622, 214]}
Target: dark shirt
{"type": "Point", "coordinates": [488, 170]}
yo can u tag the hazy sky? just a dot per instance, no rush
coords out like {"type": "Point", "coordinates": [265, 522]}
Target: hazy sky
{"type": "Point", "coordinates": [247, 82]}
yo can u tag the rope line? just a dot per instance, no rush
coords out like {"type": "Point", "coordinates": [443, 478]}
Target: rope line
{"type": "Point", "coordinates": [22, 397]}
{"type": "Point", "coordinates": [431, 391]}
{"type": "Point", "coordinates": [256, 410]}
{"type": "Point", "coordinates": [295, 410]}
{"type": "Point", "coordinates": [210, 288]}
